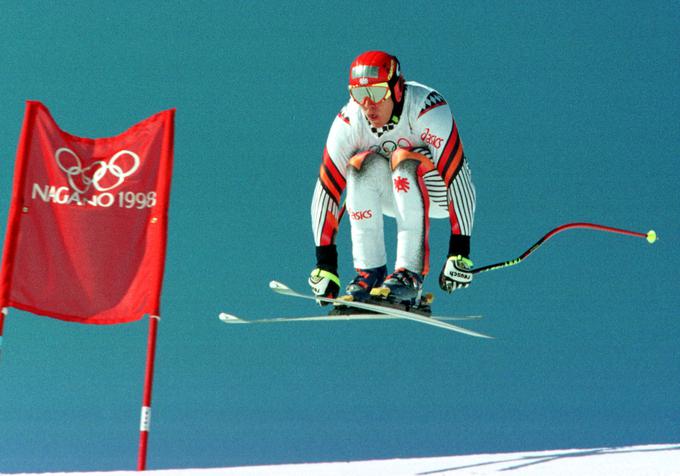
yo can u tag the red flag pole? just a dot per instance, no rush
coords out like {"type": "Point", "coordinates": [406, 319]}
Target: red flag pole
{"type": "Point", "coordinates": [145, 420]}
{"type": "Point", "coordinates": [15, 211]}
{"type": "Point", "coordinates": [163, 193]}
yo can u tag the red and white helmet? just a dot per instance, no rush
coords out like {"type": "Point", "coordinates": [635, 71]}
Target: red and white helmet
{"type": "Point", "coordinates": [374, 67]}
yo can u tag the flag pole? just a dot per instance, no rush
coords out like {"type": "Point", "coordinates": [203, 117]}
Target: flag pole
{"type": "Point", "coordinates": [163, 195]}
{"type": "Point", "coordinates": [16, 209]}
{"type": "Point", "coordinates": [145, 420]}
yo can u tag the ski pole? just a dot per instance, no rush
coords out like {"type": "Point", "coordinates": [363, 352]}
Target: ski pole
{"type": "Point", "coordinates": [650, 236]}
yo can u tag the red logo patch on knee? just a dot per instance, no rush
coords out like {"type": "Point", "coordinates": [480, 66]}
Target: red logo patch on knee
{"type": "Point", "coordinates": [401, 184]}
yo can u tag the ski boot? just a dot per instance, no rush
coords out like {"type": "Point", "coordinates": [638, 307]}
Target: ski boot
{"type": "Point", "coordinates": [404, 285]}
{"type": "Point", "coordinates": [403, 289]}
{"type": "Point", "coordinates": [359, 289]}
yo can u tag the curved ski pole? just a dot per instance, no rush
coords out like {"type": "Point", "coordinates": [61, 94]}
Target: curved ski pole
{"type": "Point", "coordinates": [650, 236]}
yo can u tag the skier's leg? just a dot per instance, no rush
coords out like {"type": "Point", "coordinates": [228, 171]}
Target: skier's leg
{"type": "Point", "coordinates": [409, 169]}
{"type": "Point", "coordinates": [368, 181]}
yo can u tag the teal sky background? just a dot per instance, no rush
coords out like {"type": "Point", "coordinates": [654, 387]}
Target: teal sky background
{"type": "Point", "coordinates": [568, 111]}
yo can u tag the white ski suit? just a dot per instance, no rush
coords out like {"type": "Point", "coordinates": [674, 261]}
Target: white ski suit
{"type": "Point", "coordinates": [412, 169]}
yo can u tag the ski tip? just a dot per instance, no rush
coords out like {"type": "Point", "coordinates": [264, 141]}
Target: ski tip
{"type": "Point", "coordinates": [277, 286]}
{"type": "Point", "coordinates": [230, 318]}
{"type": "Point", "coordinates": [462, 330]}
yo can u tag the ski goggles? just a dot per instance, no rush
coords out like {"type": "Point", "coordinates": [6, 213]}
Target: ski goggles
{"type": "Point", "coordinates": [374, 94]}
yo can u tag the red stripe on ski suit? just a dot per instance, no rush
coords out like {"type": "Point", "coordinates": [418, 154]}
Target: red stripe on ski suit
{"type": "Point", "coordinates": [451, 158]}
{"type": "Point", "coordinates": [426, 218]}
{"type": "Point", "coordinates": [448, 166]}
{"type": "Point", "coordinates": [330, 228]}
{"type": "Point", "coordinates": [331, 178]}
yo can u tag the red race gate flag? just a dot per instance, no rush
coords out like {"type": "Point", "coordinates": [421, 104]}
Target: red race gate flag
{"type": "Point", "coordinates": [87, 226]}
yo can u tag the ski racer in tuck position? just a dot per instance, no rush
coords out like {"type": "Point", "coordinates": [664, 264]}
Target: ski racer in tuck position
{"type": "Point", "coordinates": [395, 149]}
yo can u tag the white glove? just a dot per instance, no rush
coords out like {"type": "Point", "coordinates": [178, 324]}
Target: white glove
{"type": "Point", "coordinates": [324, 284]}
{"type": "Point", "coordinates": [456, 273]}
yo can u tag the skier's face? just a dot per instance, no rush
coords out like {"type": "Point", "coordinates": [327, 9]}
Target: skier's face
{"type": "Point", "coordinates": [378, 114]}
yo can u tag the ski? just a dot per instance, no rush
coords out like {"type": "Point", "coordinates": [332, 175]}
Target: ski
{"type": "Point", "coordinates": [281, 288]}
{"type": "Point", "coordinates": [232, 319]}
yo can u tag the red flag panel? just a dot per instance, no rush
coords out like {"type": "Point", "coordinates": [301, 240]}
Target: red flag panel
{"type": "Point", "coordinates": [87, 227]}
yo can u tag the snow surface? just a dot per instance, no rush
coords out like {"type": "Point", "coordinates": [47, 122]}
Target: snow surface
{"type": "Point", "coordinates": [650, 460]}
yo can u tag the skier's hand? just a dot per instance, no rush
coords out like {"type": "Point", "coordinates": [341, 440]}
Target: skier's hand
{"type": "Point", "coordinates": [455, 274]}
{"type": "Point", "coordinates": [324, 284]}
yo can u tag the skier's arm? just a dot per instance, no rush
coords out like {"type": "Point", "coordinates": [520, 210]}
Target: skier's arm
{"type": "Point", "coordinates": [439, 129]}
{"type": "Point", "coordinates": [326, 201]}
{"type": "Point", "coordinates": [449, 158]}
{"type": "Point", "coordinates": [325, 217]}
{"type": "Point", "coordinates": [326, 210]}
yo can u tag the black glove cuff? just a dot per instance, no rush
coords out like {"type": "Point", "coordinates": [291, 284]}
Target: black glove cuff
{"type": "Point", "coordinates": [327, 258]}
{"type": "Point", "coordinates": [459, 245]}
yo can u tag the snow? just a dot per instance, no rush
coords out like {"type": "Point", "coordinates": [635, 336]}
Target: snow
{"type": "Point", "coordinates": [649, 460]}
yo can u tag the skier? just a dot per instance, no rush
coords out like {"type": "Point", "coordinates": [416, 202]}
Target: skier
{"type": "Point", "coordinates": [395, 148]}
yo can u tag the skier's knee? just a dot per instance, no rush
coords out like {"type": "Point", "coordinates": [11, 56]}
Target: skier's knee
{"type": "Point", "coordinates": [362, 159]}
{"type": "Point", "coordinates": [402, 157]}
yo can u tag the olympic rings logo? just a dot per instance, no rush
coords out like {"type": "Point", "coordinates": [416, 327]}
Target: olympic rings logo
{"type": "Point", "coordinates": [387, 147]}
{"type": "Point", "coordinates": [96, 174]}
